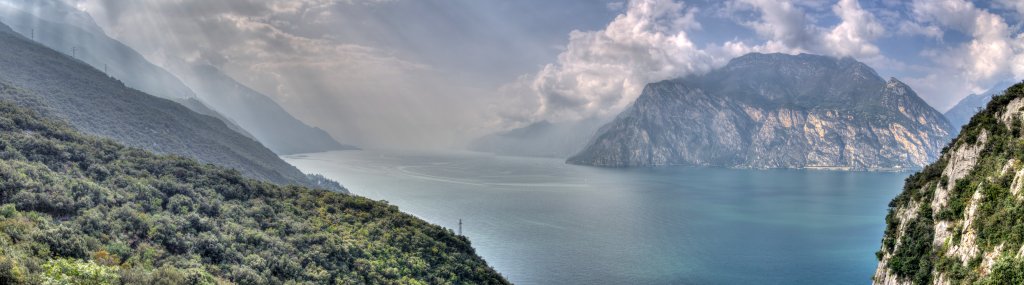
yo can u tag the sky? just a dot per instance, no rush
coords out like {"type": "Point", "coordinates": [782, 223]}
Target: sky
{"type": "Point", "coordinates": [437, 73]}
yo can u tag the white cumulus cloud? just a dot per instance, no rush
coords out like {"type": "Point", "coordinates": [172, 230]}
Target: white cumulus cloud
{"type": "Point", "coordinates": [601, 72]}
{"type": "Point", "coordinates": [994, 53]}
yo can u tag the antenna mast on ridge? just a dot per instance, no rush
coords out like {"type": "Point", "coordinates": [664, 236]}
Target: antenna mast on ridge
{"type": "Point", "coordinates": [460, 227]}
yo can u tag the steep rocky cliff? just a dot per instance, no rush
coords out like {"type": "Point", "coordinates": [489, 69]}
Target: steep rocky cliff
{"type": "Point", "coordinates": [774, 111]}
{"type": "Point", "coordinates": [961, 220]}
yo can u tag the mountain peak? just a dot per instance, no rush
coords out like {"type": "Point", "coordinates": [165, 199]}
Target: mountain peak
{"type": "Point", "coordinates": [893, 82]}
{"type": "Point", "coordinates": [774, 111]}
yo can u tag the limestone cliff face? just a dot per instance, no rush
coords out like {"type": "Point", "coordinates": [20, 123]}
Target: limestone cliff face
{"type": "Point", "coordinates": [960, 219]}
{"type": "Point", "coordinates": [774, 111]}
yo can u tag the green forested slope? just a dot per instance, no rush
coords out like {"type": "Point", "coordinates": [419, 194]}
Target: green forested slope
{"type": "Point", "coordinates": [75, 207]}
{"type": "Point", "coordinates": [59, 86]}
{"type": "Point", "coordinates": [961, 219]}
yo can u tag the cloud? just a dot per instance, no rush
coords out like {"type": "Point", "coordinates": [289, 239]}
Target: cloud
{"type": "Point", "coordinates": [366, 68]}
{"type": "Point", "coordinates": [367, 95]}
{"type": "Point", "coordinates": [910, 28]}
{"type": "Point", "coordinates": [615, 6]}
{"type": "Point", "coordinates": [853, 36]}
{"type": "Point", "coordinates": [787, 27]}
{"type": "Point", "coordinates": [782, 23]}
{"type": "Point", "coordinates": [1016, 5]}
{"type": "Point", "coordinates": [601, 72]}
{"type": "Point", "coordinates": [992, 55]}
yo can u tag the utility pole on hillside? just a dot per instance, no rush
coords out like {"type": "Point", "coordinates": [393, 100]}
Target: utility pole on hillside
{"type": "Point", "coordinates": [74, 51]}
{"type": "Point", "coordinates": [105, 69]}
{"type": "Point", "coordinates": [460, 227]}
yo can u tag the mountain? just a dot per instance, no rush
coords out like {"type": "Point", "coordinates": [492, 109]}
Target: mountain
{"type": "Point", "coordinates": [77, 209]}
{"type": "Point", "coordinates": [540, 139]}
{"type": "Point", "coordinates": [960, 220]}
{"type": "Point", "coordinates": [197, 106]}
{"type": "Point", "coordinates": [255, 112]}
{"type": "Point", "coordinates": [59, 86]}
{"type": "Point", "coordinates": [66, 29]}
{"type": "Point", "coordinates": [774, 111]}
{"type": "Point", "coordinates": [962, 112]}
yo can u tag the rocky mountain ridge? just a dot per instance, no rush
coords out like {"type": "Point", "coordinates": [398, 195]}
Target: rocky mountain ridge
{"type": "Point", "coordinates": [774, 111]}
{"type": "Point", "coordinates": [959, 220]}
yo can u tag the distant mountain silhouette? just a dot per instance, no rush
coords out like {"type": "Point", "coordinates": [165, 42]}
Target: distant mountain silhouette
{"type": "Point", "coordinates": [962, 112]}
{"type": "Point", "coordinates": [57, 85]}
{"type": "Point", "coordinates": [540, 139]}
{"type": "Point", "coordinates": [66, 29]}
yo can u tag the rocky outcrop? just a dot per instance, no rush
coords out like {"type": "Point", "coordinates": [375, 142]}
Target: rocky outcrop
{"type": "Point", "coordinates": [774, 111]}
{"type": "Point", "coordinates": [966, 221]}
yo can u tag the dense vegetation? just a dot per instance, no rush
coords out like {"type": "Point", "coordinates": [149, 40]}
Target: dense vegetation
{"type": "Point", "coordinates": [999, 220]}
{"type": "Point", "coordinates": [76, 209]}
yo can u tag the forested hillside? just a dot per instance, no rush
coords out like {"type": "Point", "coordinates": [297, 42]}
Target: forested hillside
{"type": "Point", "coordinates": [62, 27]}
{"type": "Point", "coordinates": [83, 209]}
{"type": "Point", "coordinates": [960, 220]}
{"type": "Point", "coordinates": [57, 85]}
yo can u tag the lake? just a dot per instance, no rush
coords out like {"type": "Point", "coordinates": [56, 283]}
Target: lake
{"type": "Point", "coordinates": [540, 221]}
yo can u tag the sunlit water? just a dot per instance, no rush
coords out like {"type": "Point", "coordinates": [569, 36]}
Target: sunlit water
{"type": "Point", "coordinates": [539, 221]}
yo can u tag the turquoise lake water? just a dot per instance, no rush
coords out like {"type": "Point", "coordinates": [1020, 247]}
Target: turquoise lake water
{"type": "Point", "coordinates": [539, 221]}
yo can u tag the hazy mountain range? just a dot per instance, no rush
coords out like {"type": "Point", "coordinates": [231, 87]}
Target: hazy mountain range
{"type": "Point", "coordinates": [540, 139]}
{"type": "Point", "coordinates": [255, 112]}
{"type": "Point", "coordinates": [57, 85]}
{"type": "Point", "coordinates": [774, 111]}
{"type": "Point", "coordinates": [73, 32]}
{"type": "Point", "coordinates": [961, 113]}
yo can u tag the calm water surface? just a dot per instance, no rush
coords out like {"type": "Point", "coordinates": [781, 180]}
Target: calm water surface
{"type": "Point", "coordinates": [539, 221]}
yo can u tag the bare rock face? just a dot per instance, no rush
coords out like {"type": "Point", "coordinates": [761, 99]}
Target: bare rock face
{"type": "Point", "coordinates": [959, 220]}
{"type": "Point", "coordinates": [774, 111]}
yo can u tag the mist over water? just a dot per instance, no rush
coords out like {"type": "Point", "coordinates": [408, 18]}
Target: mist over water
{"type": "Point", "coordinates": [540, 221]}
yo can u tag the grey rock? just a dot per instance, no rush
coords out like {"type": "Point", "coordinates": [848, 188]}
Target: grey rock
{"type": "Point", "coordinates": [774, 111]}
